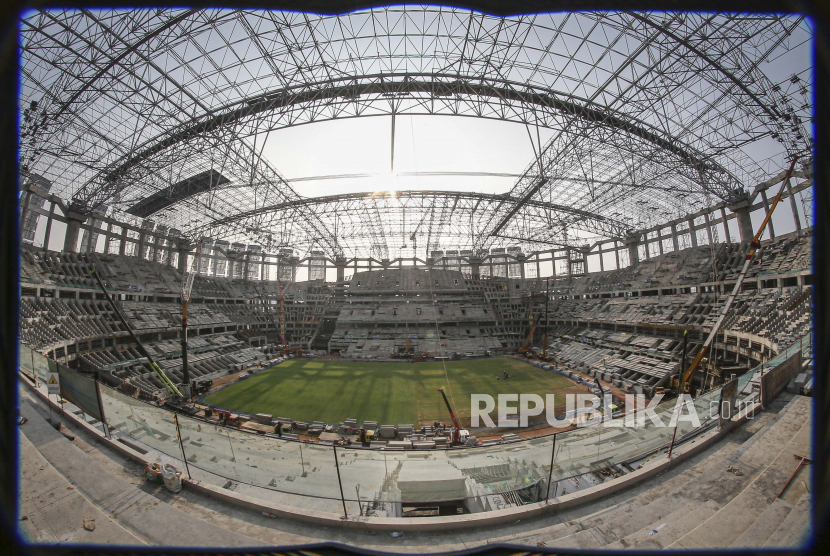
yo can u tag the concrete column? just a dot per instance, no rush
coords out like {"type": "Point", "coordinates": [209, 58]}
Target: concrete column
{"type": "Point", "coordinates": [49, 217]}
{"type": "Point", "coordinates": [340, 266]}
{"type": "Point", "coordinates": [766, 208]}
{"type": "Point", "coordinates": [617, 253]}
{"type": "Point", "coordinates": [521, 259]}
{"type": "Point", "coordinates": [107, 238]}
{"type": "Point", "coordinates": [475, 266]}
{"type": "Point", "coordinates": [231, 265]}
{"type": "Point", "coordinates": [692, 233]}
{"type": "Point", "coordinates": [674, 241]}
{"type": "Point", "coordinates": [294, 262]}
{"type": "Point", "coordinates": [725, 225]}
{"type": "Point", "coordinates": [122, 248]}
{"type": "Point", "coordinates": [584, 252]}
{"type": "Point", "coordinates": [601, 262]}
{"type": "Point", "coordinates": [708, 226]}
{"type": "Point", "coordinates": [156, 246]}
{"type": "Point", "coordinates": [24, 211]}
{"type": "Point", "coordinates": [553, 263]}
{"type": "Point", "coordinates": [73, 226]}
{"type": "Point", "coordinates": [741, 209]}
{"type": "Point", "coordinates": [183, 249]}
{"type": "Point", "coordinates": [794, 207]}
{"type": "Point", "coordinates": [632, 241]}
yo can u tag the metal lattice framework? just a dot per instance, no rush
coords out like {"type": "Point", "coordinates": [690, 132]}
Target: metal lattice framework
{"type": "Point", "coordinates": [652, 115]}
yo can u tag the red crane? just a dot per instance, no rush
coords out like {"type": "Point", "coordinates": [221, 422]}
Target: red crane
{"type": "Point", "coordinates": [459, 435]}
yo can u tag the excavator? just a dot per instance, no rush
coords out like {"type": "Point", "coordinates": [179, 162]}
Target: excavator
{"type": "Point", "coordinates": [459, 435]}
{"type": "Point", "coordinates": [681, 383]}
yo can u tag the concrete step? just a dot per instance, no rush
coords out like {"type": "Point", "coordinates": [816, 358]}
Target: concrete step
{"type": "Point", "coordinates": [682, 506]}
{"type": "Point", "coordinates": [676, 527]}
{"type": "Point", "coordinates": [796, 527]}
{"type": "Point", "coordinates": [588, 538]}
{"type": "Point", "coordinates": [771, 455]}
{"type": "Point", "coordinates": [145, 516]}
{"type": "Point", "coordinates": [766, 524]}
{"type": "Point", "coordinates": [662, 524]}
{"type": "Point", "coordinates": [664, 496]}
{"type": "Point", "coordinates": [53, 511]}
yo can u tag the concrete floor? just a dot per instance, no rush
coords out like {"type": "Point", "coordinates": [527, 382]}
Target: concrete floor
{"type": "Point", "coordinates": [694, 505]}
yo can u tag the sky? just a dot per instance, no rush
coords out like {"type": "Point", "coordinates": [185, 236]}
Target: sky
{"type": "Point", "coordinates": [422, 144]}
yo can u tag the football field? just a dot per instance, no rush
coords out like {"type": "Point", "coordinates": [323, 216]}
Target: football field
{"type": "Point", "coordinates": [391, 393]}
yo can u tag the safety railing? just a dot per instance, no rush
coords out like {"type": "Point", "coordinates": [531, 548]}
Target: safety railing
{"type": "Point", "coordinates": [359, 481]}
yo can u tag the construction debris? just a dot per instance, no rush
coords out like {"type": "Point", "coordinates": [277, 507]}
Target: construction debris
{"type": "Point", "coordinates": [89, 524]}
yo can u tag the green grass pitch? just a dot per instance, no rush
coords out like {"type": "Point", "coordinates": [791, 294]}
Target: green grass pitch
{"type": "Point", "coordinates": [386, 392]}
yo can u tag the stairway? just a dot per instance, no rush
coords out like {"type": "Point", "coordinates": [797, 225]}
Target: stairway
{"type": "Point", "coordinates": [702, 505]}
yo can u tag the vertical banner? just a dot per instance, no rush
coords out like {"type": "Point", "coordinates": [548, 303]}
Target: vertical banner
{"type": "Point", "coordinates": [728, 399]}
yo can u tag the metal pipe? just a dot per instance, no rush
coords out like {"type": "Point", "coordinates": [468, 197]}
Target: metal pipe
{"type": "Point", "coordinates": [340, 482]}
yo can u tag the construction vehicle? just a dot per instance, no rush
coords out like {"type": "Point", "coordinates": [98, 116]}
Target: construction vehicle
{"type": "Point", "coordinates": [227, 418]}
{"type": "Point", "coordinates": [141, 349]}
{"type": "Point", "coordinates": [200, 386]}
{"type": "Point", "coordinates": [282, 428]}
{"type": "Point", "coordinates": [366, 436]}
{"type": "Point", "coordinates": [686, 376]}
{"type": "Point", "coordinates": [459, 435]}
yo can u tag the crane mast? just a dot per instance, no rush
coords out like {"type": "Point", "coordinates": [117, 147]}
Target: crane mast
{"type": "Point", "coordinates": [281, 301]}
{"type": "Point", "coordinates": [187, 287]}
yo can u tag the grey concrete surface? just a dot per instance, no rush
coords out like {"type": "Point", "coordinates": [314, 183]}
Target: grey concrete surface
{"type": "Point", "coordinates": [137, 511]}
{"type": "Point", "coordinates": [682, 507]}
{"type": "Point", "coordinates": [53, 511]}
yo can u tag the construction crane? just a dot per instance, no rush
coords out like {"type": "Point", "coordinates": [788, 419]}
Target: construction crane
{"type": "Point", "coordinates": [153, 365]}
{"type": "Point", "coordinates": [281, 307]}
{"type": "Point", "coordinates": [524, 348]}
{"type": "Point", "coordinates": [268, 312]}
{"type": "Point", "coordinates": [459, 435]}
{"type": "Point", "coordinates": [754, 247]}
{"type": "Point", "coordinates": [547, 322]}
{"type": "Point", "coordinates": [187, 288]}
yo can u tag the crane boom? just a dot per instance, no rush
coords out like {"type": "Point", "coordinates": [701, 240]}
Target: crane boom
{"type": "Point", "coordinates": [754, 247]}
{"type": "Point", "coordinates": [156, 369]}
{"type": "Point", "coordinates": [190, 275]}
{"type": "Point", "coordinates": [456, 435]}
